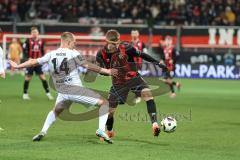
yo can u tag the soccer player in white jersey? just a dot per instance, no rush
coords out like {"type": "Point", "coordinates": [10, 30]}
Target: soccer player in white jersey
{"type": "Point", "coordinates": [2, 72]}
{"type": "Point", "coordinates": [63, 63]}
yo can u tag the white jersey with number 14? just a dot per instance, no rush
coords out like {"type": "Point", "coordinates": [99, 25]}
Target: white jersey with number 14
{"type": "Point", "coordinates": [63, 68]}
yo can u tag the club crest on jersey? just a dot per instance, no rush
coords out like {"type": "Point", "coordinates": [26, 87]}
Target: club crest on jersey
{"type": "Point", "coordinates": [35, 48]}
{"type": "Point", "coordinates": [120, 56]}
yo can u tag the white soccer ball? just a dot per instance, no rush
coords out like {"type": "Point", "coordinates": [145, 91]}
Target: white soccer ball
{"type": "Point", "coordinates": [169, 124]}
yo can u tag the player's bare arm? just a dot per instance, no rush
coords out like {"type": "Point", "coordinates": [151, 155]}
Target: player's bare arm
{"type": "Point", "coordinates": [28, 63]}
{"type": "Point", "coordinates": [95, 68]}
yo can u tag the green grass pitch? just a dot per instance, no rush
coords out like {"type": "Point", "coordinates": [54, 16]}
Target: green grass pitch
{"type": "Point", "coordinates": [208, 114]}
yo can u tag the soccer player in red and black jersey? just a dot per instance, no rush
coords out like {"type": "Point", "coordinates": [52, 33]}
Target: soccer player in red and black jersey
{"type": "Point", "coordinates": [169, 57]}
{"type": "Point", "coordinates": [120, 55]}
{"type": "Point", "coordinates": [139, 45]}
{"type": "Point", "coordinates": [34, 48]}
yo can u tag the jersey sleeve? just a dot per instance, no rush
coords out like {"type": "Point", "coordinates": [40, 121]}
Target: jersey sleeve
{"type": "Point", "coordinates": [1, 61]}
{"type": "Point", "coordinates": [99, 59]}
{"type": "Point", "coordinates": [44, 59]}
{"type": "Point", "coordinates": [78, 58]}
{"type": "Point", "coordinates": [132, 51]}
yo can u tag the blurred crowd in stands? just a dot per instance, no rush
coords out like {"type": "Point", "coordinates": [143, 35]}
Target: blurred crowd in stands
{"type": "Point", "coordinates": [162, 12]}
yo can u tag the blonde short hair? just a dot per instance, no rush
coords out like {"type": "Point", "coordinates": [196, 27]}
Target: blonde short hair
{"type": "Point", "coordinates": [34, 28]}
{"type": "Point", "coordinates": [67, 36]}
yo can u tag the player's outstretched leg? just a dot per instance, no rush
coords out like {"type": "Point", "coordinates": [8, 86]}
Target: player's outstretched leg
{"type": "Point", "coordinates": [113, 103]}
{"type": "Point", "coordinates": [110, 122]}
{"type": "Point", "coordinates": [109, 125]}
{"type": "Point", "coordinates": [151, 107]}
{"type": "Point", "coordinates": [103, 116]}
{"type": "Point", "coordinates": [51, 117]}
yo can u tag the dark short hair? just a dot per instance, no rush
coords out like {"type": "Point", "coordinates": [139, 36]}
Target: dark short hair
{"type": "Point", "coordinates": [112, 36]}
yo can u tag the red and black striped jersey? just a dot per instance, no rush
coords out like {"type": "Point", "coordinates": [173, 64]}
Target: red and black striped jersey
{"type": "Point", "coordinates": [33, 48]}
{"type": "Point", "coordinates": [139, 45]}
{"type": "Point", "coordinates": [169, 55]}
{"type": "Point", "coordinates": [122, 59]}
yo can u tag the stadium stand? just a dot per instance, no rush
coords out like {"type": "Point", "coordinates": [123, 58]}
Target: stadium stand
{"type": "Point", "coordinates": [187, 12]}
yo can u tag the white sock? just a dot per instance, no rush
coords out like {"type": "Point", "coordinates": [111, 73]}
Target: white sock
{"type": "Point", "coordinates": [103, 116]}
{"type": "Point", "coordinates": [49, 121]}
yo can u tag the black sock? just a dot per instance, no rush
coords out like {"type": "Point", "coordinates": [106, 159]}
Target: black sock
{"type": "Point", "coordinates": [151, 107]}
{"type": "Point", "coordinates": [174, 83]}
{"type": "Point", "coordinates": [171, 88]}
{"type": "Point", "coordinates": [25, 86]}
{"type": "Point", "coordinates": [109, 123]}
{"type": "Point", "coordinates": [45, 86]}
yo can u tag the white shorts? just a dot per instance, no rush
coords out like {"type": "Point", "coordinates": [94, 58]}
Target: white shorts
{"type": "Point", "coordinates": [82, 95]}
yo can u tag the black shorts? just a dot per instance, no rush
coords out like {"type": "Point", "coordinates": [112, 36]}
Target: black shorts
{"type": "Point", "coordinates": [119, 93]}
{"type": "Point", "coordinates": [168, 75]}
{"type": "Point", "coordinates": [36, 69]}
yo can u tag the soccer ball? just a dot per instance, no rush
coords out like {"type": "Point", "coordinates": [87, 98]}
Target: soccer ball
{"type": "Point", "coordinates": [169, 124]}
